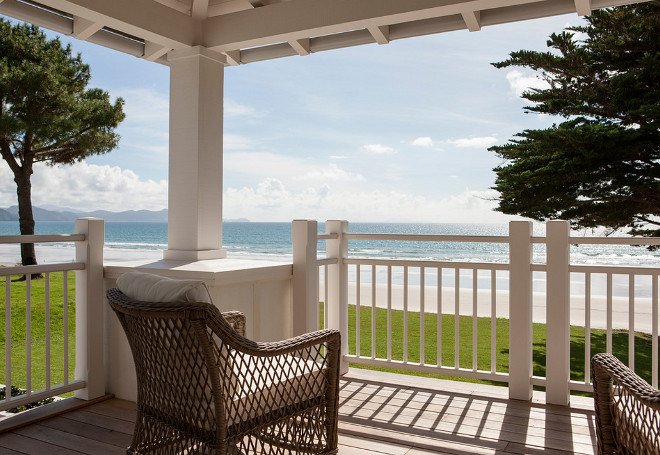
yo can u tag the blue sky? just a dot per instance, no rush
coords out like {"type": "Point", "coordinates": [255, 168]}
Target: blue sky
{"type": "Point", "coordinates": [397, 132]}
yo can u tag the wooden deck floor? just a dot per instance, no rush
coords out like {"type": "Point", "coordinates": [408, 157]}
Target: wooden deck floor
{"type": "Point", "coordinates": [380, 413]}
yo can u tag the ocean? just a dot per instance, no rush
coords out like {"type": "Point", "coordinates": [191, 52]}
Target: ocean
{"type": "Point", "coordinates": [272, 242]}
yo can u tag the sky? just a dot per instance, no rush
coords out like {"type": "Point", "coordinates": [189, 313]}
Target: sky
{"type": "Point", "coordinates": [374, 133]}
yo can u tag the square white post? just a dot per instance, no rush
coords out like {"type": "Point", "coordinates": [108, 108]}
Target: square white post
{"type": "Point", "coordinates": [90, 300]}
{"type": "Point", "coordinates": [338, 286]}
{"type": "Point", "coordinates": [520, 310]}
{"type": "Point", "coordinates": [194, 222]}
{"type": "Point", "coordinates": [557, 329]}
{"type": "Point", "coordinates": [305, 276]}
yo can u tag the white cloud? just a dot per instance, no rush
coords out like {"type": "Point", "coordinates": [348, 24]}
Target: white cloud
{"type": "Point", "coordinates": [235, 109]}
{"type": "Point", "coordinates": [520, 82]}
{"type": "Point", "coordinates": [423, 142]}
{"type": "Point", "coordinates": [262, 165]}
{"type": "Point", "coordinates": [377, 149]}
{"type": "Point", "coordinates": [474, 142]}
{"type": "Point", "coordinates": [338, 157]}
{"type": "Point", "coordinates": [87, 187]}
{"type": "Point", "coordinates": [272, 201]}
{"type": "Point", "coordinates": [235, 142]}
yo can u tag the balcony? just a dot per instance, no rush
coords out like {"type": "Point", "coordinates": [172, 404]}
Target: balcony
{"type": "Point", "coordinates": [379, 411]}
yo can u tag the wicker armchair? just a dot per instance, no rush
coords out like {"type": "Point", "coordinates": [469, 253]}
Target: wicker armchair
{"type": "Point", "coordinates": [627, 409]}
{"type": "Point", "coordinates": [204, 388]}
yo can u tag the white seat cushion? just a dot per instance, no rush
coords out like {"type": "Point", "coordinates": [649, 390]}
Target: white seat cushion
{"type": "Point", "coordinates": [147, 287]}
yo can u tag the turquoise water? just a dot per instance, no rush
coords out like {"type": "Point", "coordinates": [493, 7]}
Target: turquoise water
{"type": "Point", "coordinates": [273, 241]}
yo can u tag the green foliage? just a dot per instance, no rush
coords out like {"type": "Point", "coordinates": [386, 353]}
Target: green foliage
{"type": "Point", "coordinates": [600, 166]}
{"type": "Point", "coordinates": [46, 112]}
{"type": "Point", "coordinates": [15, 391]}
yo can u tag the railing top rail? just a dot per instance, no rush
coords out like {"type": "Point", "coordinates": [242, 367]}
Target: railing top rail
{"type": "Point", "coordinates": [429, 237]}
{"type": "Point", "coordinates": [614, 240]}
{"type": "Point", "coordinates": [332, 236]}
{"type": "Point", "coordinates": [615, 269]}
{"type": "Point", "coordinates": [33, 269]}
{"type": "Point", "coordinates": [430, 264]}
{"type": "Point", "coordinates": [50, 238]}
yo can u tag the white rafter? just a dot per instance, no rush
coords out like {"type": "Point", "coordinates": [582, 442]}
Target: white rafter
{"type": "Point", "coordinates": [381, 33]}
{"type": "Point", "coordinates": [583, 7]}
{"type": "Point", "coordinates": [301, 46]}
{"type": "Point", "coordinates": [199, 9]}
{"type": "Point", "coordinates": [472, 20]}
{"type": "Point", "coordinates": [298, 19]}
{"type": "Point", "coordinates": [150, 20]}
{"type": "Point", "coordinates": [83, 28]}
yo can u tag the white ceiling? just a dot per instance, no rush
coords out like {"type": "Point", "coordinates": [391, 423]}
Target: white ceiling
{"type": "Point", "coordinates": [253, 30]}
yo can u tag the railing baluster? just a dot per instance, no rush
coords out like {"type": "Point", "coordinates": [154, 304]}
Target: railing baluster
{"type": "Point", "coordinates": [325, 297]}
{"type": "Point", "coordinates": [493, 321]}
{"type": "Point", "coordinates": [405, 314]}
{"type": "Point", "coordinates": [457, 299]}
{"type": "Point", "coordinates": [28, 334]}
{"type": "Point", "coordinates": [47, 327]}
{"type": "Point", "coordinates": [609, 314]}
{"type": "Point", "coordinates": [587, 328]}
{"type": "Point", "coordinates": [389, 312]}
{"type": "Point", "coordinates": [357, 310]}
{"type": "Point", "coordinates": [654, 331]}
{"type": "Point", "coordinates": [65, 326]}
{"type": "Point", "coordinates": [439, 320]}
{"type": "Point", "coordinates": [373, 311]}
{"type": "Point", "coordinates": [7, 338]}
{"type": "Point", "coordinates": [475, 282]}
{"type": "Point", "coordinates": [631, 321]}
{"type": "Point", "coordinates": [422, 311]}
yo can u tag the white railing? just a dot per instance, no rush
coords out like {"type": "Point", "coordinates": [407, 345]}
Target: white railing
{"type": "Point", "coordinates": [431, 297]}
{"type": "Point", "coordinates": [88, 380]}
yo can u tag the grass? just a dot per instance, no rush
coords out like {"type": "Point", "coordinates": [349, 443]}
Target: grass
{"type": "Point", "coordinates": [38, 331]}
{"type": "Point", "coordinates": [643, 351]}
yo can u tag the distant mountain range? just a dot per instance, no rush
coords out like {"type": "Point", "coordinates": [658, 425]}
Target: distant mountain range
{"type": "Point", "coordinates": [160, 216]}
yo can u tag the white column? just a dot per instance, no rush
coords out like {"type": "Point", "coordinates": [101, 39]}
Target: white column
{"type": "Point", "coordinates": [557, 329]}
{"type": "Point", "coordinates": [520, 310]}
{"type": "Point", "coordinates": [90, 300]}
{"type": "Point", "coordinates": [338, 286]}
{"type": "Point", "coordinates": [305, 277]}
{"type": "Point", "coordinates": [194, 220]}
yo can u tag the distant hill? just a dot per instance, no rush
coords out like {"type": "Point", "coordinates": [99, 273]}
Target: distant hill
{"type": "Point", "coordinates": [151, 216]}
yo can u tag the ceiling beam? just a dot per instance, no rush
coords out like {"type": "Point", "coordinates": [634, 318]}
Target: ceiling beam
{"type": "Point", "coordinates": [153, 51]}
{"type": "Point", "coordinates": [381, 33]}
{"type": "Point", "coordinates": [583, 7]}
{"type": "Point", "coordinates": [295, 19]}
{"type": "Point", "coordinates": [83, 28]}
{"type": "Point", "coordinates": [233, 58]}
{"type": "Point", "coordinates": [472, 20]}
{"type": "Point", "coordinates": [147, 19]}
{"type": "Point", "coordinates": [301, 46]}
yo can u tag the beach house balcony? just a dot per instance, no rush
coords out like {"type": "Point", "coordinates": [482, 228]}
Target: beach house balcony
{"type": "Point", "coordinates": [446, 327]}
{"type": "Point", "coordinates": [391, 412]}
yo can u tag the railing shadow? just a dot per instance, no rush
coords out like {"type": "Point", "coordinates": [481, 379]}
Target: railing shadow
{"type": "Point", "coordinates": [461, 423]}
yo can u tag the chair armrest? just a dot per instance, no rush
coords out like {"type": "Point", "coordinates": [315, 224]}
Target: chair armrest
{"type": "Point", "coordinates": [236, 319]}
{"type": "Point", "coordinates": [624, 405]}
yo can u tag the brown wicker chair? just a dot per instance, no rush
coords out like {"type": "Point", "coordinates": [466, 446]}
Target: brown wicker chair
{"type": "Point", "coordinates": [627, 409]}
{"type": "Point", "coordinates": [204, 388]}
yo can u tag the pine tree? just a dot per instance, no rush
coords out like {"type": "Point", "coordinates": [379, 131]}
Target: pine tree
{"type": "Point", "coordinates": [46, 112]}
{"type": "Point", "coordinates": [599, 167]}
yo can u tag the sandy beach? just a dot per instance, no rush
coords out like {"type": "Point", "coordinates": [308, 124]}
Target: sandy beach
{"type": "Point", "coordinates": [448, 304]}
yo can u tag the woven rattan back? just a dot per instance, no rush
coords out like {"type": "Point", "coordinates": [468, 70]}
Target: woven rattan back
{"type": "Point", "coordinates": [627, 409]}
{"type": "Point", "coordinates": [177, 373]}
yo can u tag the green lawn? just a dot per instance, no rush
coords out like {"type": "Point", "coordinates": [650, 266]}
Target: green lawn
{"type": "Point", "coordinates": [598, 343]}
{"type": "Point", "coordinates": [38, 328]}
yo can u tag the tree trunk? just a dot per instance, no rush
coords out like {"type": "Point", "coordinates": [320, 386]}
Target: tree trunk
{"type": "Point", "coordinates": [25, 216]}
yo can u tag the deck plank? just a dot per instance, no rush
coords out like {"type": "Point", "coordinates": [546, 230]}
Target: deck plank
{"type": "Point", "coordinates": [380, 414]}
